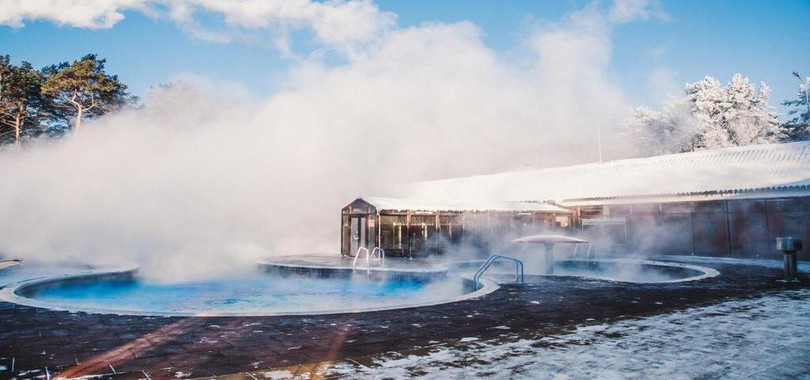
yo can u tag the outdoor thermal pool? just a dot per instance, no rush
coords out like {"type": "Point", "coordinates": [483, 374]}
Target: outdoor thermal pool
{"type": "Point", "coordinates": [283, 289]}
{"type": "Point", "coordinates": [255, 293]}
{"type": "Point", "coordinates": [44, 340]}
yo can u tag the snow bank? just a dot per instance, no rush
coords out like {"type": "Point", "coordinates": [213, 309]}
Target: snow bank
{"type": "Point", "coordinates": [764, 337]}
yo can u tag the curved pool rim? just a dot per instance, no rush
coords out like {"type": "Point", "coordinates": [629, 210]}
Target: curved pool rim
{"type": "Point", "coordinates": [705, 271]}
{"type": "Point", "coordinates": [299, 266]}
{"type": "Point", "coordinates": [11, 293]}
{"type": "Point", "coordinates": [8, 263]}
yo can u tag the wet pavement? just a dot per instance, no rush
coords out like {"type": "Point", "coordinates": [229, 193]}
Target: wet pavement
{"type": "Point", "coordinates": [39, 342]}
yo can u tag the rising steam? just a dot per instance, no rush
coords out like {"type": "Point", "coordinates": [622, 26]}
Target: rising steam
{"type": "Point", "coordinates": [200, 178]}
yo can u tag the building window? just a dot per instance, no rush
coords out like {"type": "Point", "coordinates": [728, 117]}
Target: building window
{"type": "Point", "coordinates": [393, 231]}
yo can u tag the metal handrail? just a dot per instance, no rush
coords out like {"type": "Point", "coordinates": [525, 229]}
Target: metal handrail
{"type": "Point", "coordinates": [492, 259]}
{"type": "Point", "coordinates": [380, 256]}
{"type": "Point", "coordinates": [586, 250]}
{"type": "Point", "coordinates": [595, 251]}
{"type": "Point", "coordinates": [357, 256]}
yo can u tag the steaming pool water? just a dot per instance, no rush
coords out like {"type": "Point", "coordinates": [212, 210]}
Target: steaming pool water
{"type": "Point", "coordinates": [124, 292]}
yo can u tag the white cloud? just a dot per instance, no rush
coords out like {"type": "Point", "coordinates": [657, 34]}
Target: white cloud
{"type": "Point", "coordinates": [624, 11]}
{"type": "Point", "coordinates": [335, 23]}
{"type": "Point", "coordinates": [93, 14]}
{"type": "Point", "coordinates": [658, 52]}
{"type": "Point", "coordinates": [344, 25]}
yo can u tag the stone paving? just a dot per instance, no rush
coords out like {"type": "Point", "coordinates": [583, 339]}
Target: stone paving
{"type": "Point", "coordinates": [40, 343]}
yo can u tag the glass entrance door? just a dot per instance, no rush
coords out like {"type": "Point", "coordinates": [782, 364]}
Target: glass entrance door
{"type": "Point", "coordinates": [358, 237]}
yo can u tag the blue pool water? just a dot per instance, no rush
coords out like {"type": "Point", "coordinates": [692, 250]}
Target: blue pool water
{"type": "Point", "coordinates": [258, 294]}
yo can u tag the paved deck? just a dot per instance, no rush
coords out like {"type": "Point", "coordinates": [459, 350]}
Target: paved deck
{"type": "Point", "coordinates": [33, 341]}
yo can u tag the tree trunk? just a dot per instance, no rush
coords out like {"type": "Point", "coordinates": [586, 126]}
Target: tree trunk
{"type": "Point", "coordinates": [78, 122]}
{"type": "Point", "coordinates": [17, 128]}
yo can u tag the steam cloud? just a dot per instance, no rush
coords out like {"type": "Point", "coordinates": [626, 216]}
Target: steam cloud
{"type": "Point", "coordinates": [199, 178]}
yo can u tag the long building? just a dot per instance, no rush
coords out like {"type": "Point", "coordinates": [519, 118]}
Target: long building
{"type": "Point", "coordinates": [419, 228]}
{"type": "Point", "coordinates": [724, 202]}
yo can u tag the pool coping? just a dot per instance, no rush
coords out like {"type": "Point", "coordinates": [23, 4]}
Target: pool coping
{"type": "Point", "coordinates": [435, 269]}
{"type": "Point", "coordinates": [9, 294]}
{"type": "Point", "coordinates": [707, 272]}
{"type": "Point", "coordinates": [8, 263]}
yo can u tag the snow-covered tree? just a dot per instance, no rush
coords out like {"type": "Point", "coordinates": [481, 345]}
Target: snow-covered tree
{"type": "Point", "coordinates": [705, 99]}
{"type": "Point", "coordinates": [708, 116]}
{"type": "Point", "coordinates": [655, 133]}
{"type": "Point", "coordinates": [798, 127]}
{"type": "Point", "coordinates": [747, 116]}
{"type": "Point", "coordinates": [639, 127]}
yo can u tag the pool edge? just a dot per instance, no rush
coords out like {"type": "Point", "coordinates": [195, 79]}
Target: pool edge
{"type": "Point", "coordinates": [10, 294]}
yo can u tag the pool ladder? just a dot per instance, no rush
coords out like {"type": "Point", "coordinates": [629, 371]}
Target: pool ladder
{"type": "Point", "coordinates": [492, 259]}
{"type": "Point", "coordinates": [585, 251]}
{"type": "Point", "coordinates": [376, 256]}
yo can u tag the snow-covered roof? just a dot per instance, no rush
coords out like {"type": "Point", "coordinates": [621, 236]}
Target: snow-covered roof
{"type": "Point", "coordinates": [740, 172]}
{"type": "Point", "coordinates": [399, 204]}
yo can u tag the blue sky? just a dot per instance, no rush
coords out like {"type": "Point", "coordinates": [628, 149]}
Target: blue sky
{"type": "Point", "coordinates": [764, 40]}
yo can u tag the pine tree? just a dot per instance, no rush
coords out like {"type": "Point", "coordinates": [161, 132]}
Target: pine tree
{"type": "Point", "coordinates": [83, 89]}
{"type": "Point", "coordinates": [706, 99]}
{"type": "Point", "coordinates": [20, 100]}
{"type": "Point", "coordinates": [798, 127]}
{"type": "Point", "coordinates": [746, 114]}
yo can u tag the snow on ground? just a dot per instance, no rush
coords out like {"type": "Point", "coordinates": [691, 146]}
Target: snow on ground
{"type": "Point", "coordinates": [803, 266]}
{"type": "Point", "coordinates": [767, 337]}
